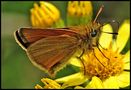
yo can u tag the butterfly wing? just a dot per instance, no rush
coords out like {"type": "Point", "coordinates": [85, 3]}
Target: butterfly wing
{"type": "Point", "coordinates": [27, 36]}
{"type": "Point", "coordinates": [49, 53]}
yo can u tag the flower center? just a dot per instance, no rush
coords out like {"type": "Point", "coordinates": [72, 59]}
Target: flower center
{"type": "Point", "coordinates": [103, 66]}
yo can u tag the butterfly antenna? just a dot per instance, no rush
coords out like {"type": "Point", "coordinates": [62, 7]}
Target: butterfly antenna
{"type": "Point", "coordinates": [98, 13]}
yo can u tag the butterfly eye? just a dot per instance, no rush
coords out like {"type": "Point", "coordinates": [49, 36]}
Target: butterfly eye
{"type": "Point", "coordinates": [94, 33]}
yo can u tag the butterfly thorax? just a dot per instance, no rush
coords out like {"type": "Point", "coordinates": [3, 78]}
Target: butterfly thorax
{"type": "Point", "coordinates": [88, 34]}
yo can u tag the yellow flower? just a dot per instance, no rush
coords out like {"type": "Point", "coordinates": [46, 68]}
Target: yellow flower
{"type": "Point", "coordinates": [44, 15]}
{"type": "Point", "coordinates": [79, 12]}
{"type": "Point", "coordinates": [111, 71]}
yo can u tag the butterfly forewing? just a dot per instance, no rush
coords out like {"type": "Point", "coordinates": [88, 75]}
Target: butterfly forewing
{"type": "Point", "coordinates": [33, 34]}
{"type": "Point", "coordinates": [26, 36]}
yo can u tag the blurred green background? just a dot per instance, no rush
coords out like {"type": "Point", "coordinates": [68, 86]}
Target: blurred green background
{"type": "Point", "coordinates": [17, 70]}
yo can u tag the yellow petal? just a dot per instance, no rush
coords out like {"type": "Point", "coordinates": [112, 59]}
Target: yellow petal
{"type": "Point", "coordinates": [127, 57]}
{"type": "Point", "coordinates": [76, 62]}
{"type": "Point", "coordinates": [45, 18]}
{"type": "Point", "coordinates": [37, 17]}
{"type": "Point", "coordinates": [127, 66]}
{"type": "Point", "coordinates": [95, 83]}
{"type": "Point", "coordinates": [32, 17]}
{"type": "Point", "coordinates": [87, 6]}
{"type": "Point", "coordinates": [79, 87]}
{"type": "Point", "coordinates": [72, 7]}
{"type": "Point", "coordinates": [33, 21]}
{"type": "Point", "coordinates": [52, 8]}
{"type": "Point", "coordinates": [67, 78]}
{"type": "Point", "coordinates": [38, 87]}
{"type": "Point", "coordinates": [106, 38]}
{"type": "Point", "coordinates": [45, 11]}
{"type": "Point", "coordinates": [123, 35]}
{"type": "Point", "coordinates": [72, 80]}
{"type": "Point", "coordinates": [35, 12]}
{"type": "Point", "coordinates": [124, 79]}
{"type": "Point", "coordinates": [50, 83]}
{"type": "Point", "coordinates": [111, 83]}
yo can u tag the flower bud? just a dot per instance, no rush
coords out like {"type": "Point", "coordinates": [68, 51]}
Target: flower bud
{"type": "Point", "coordinates": [79, 12]}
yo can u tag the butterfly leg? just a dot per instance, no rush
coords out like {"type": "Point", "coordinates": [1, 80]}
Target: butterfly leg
{"type": "Point", "coordinates": [83, 51]}
{"type": "Point", "coordinates": [98, 44]}
{"type": "Point", "coordinates": [97, 58]}
{"type": "Point", "coordinates": [82, 60]}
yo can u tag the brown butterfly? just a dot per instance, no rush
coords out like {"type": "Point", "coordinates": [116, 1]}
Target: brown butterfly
{"type": "Point", "coordinates": [49, 48]}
